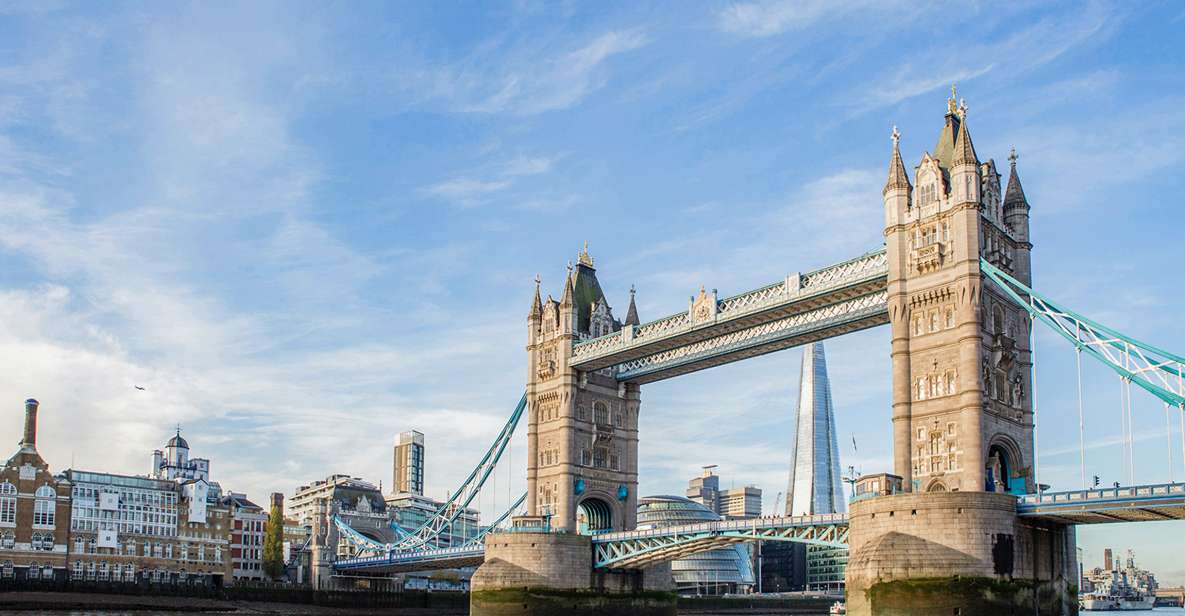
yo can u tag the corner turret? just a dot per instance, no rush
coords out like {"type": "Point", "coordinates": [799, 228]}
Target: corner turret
{"type": "Point", "coordinates": [964, 171]}
{"type": "Point", "coordinates": [897, 187]}
{"type": "Point", "coordinates": [631, 314]}
{"type": "Point", "coordinates": [1016, 218]}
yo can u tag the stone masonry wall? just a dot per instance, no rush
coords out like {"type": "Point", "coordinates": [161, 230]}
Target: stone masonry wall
{"type": "Point", "coordinates": [902, 539]}
{"type": "Point", "coordinates": [535, 560]}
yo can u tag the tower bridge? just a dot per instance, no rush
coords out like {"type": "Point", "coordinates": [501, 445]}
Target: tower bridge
{"type": "Point", "coordinates": [953, 283]}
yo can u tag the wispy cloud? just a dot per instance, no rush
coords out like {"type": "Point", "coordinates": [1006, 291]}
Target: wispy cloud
{"type": "Point", "coordinates": [536, 80]}
{"type": "Point", "coordinates": [772, 17]}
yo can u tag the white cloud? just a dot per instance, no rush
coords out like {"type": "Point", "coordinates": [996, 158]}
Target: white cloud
{"type": "Point", "coordinates": [535, 80]}
{"type": "Point", "coordinates": [767, 18]}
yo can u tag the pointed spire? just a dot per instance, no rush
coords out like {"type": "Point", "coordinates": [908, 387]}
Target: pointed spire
{"type": "Point", "coordinates": [964, 150]}
{"type": "Point", "coordinates": [1014, 195]}
{"type": "Point", "coordinates": [631, 315]}
{"type": "Point", "coordinates": [569, 288]}
{"type": "Point", "coordinates": [898, 178]}
{"type": "Point", "coordinates": [537, 304]}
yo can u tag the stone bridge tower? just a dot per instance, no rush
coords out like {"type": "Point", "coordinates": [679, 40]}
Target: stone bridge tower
{"type": "Point", "coordinates": [582, 435]}
{"type": "Point", "coordinates": [962, 368]}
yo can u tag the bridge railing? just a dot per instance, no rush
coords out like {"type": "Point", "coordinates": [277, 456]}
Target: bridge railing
{"type": "Point", "coordinates": [394, 557]}
{"type": "Point", "coordinates": [1096, 494]}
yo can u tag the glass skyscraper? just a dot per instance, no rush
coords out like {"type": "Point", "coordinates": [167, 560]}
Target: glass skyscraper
{"type": "Point", "coordinates": [816, 485]}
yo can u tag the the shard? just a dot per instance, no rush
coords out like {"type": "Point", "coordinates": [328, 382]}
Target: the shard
{"type": "Point", "coordinates": [815, 482]}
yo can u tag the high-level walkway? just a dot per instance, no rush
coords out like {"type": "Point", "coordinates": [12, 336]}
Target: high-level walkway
{"type": "Point", "coordinates": [835, 300]}
{"type": "Point", "coordinates": [641, 548]}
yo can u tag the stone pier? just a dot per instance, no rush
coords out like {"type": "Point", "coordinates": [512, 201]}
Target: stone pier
{"type": "Point", "coordinates": [964, 553]}
{"type": "Point", "coordinates": [551, 574]}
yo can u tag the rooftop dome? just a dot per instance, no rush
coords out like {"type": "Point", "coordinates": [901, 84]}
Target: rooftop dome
{"type": "Point", "coordinates": [177, 441]}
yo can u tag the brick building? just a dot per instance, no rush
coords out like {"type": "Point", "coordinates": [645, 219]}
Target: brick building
{"type": "Point", "coordinates": [34, 512]}
{"type": "Point", "coordinates": [248, 522]}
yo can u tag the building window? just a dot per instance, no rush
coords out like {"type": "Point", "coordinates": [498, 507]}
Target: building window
{"type": "Point", "coordinates": [7, 540]}
{"type": "Point", "coordinates": [7, 503]}
{"type": "Point", "coordinates": [950, 318]}
{"type": "Point", "coordinates": [600, 414]}
{"type": "Point", "coordinates": [600, 457]}
{"type": "Point", "coordinates": [43, 513]}
{"type": "Point", "coordinates": [34, 572]}
{"type": "Point", "coordinates": [76, 570]}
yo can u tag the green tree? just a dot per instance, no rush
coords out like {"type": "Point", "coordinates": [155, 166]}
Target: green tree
{"type": "Point", "coordinates": [273, 544]}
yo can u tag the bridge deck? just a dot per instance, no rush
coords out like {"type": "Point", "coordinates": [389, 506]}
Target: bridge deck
{"type": "Point", "coordinates": [640, 548]}
{"type": "Point", "coordinates": [1148, 503]}
{"type": "Point", "coordinates": [845, 297]}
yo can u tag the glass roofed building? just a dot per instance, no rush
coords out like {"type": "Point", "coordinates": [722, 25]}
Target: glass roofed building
{"type": "Point", "coordinates": [715, 572]}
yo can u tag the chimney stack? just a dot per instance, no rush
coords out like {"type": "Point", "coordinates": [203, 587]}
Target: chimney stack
{"type": "Point", "coordinates": [30, 440]}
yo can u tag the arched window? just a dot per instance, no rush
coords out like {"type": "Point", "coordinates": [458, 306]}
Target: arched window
{"type": "Point", "coordinates": [950, 382]}
{"type": "Point", "coordinates": [7, 503]}
{"type": "Point", "coordinates": [997, 320]}
{"type": "Point", "coordinates": [917, 326]}
{"type": "Point", "coordinates": [34, 572]}
{"type": "Point", "coordinates": [934, 321]}
{"type": "Point", "coordinates": [45, 492]}
{"type": "Point", "coordinates": [950, 318]}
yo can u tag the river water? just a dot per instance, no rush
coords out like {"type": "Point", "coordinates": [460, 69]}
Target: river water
{"type": "Point", "coordinates": [1160, 611]}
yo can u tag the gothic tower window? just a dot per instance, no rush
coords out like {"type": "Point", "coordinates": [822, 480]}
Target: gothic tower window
{"type": "Point", "coordinates": [600, 414]}
{"type": "Point", "coordinates": [934, 321]}
{"type": "Point", "coordinates": [950, 318]}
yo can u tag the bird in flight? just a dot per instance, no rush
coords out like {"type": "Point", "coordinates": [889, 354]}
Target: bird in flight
{"type": "Point", "coordinates": [140, 388]}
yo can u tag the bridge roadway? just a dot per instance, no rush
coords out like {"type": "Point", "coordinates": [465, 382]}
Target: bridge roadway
{"type": "Point", "coordinates": [641, 548]}
{"type": "Point", "coordinates": [803, 308]}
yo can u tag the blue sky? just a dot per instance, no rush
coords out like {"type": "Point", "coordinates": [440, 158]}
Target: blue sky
{"type": "Point", "coordinates": [306, 227]}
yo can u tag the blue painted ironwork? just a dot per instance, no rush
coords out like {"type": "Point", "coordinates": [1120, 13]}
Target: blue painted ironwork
{"type": "Point", "coordinates": [1158, 372]}
{"type": "Point", "coordinates": [376, 555]}
{"type": "Point", "coordinates": [642, 548]}
{"type": "Point", "coordinates": [450, 510]}
{"type": "Point", "coordinates": [1146, 503]}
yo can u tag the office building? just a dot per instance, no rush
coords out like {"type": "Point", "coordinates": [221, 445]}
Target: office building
{"type": "Point", "coordinates": [409, 463]}
{"type": "Point", "coordinates": [248, 522]}
{"type": "Point", "coordinates": [714, 572]}
{"type": "Point", "coordinates": [815, 485]}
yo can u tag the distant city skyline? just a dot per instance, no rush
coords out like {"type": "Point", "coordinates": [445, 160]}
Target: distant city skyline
{"type": "Point", "coordinates": [303, 231]}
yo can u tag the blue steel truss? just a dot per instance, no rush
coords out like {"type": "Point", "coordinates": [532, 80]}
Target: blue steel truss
{"type": "Point", "coordinates": [1158, 372]}
{"type": "Point", "coordinates": [641, 548]}
{"type": "Point", "coordinates": [376, 555]}
{"type": "Point", "coordinates": [448, 512]}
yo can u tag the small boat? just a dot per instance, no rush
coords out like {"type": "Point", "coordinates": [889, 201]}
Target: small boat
{"type": "Point", "coordinates": [838, 608]}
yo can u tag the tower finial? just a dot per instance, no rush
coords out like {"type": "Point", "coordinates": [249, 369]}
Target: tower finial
{"type": "Point", "coordinates": [585, 258]}
{"type": "Point", "coordinates": [962, 108]}
{"type": "Point", "coordinates": [952, 102]}
{"type": "Point", "coordinates": [895, 136]}
{"type": "Point", "coordinates": [632, 290]}
{"type": "Point", "coordinates": [538, 281]}
{"type": "Point", "coordinates": [1012, 157]}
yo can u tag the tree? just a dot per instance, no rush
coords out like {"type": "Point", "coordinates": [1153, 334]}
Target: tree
{"type": "Point", "coordinates": [273, 544]}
